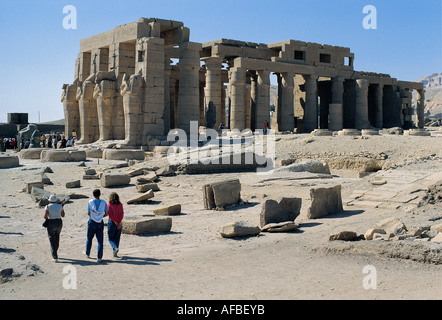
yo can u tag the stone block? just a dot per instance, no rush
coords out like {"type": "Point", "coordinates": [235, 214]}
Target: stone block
{"type": "Point", "coordinates": [168, 211]}
{"type": "Point", "coordinates": [285, 226]}
{"type": "Point", "coordinates": [141, 198]}
{"type": "Point", "coordinates": [33, 153]}
{"type": "Point", "coordinates": [30, 185]}
{"type": "Point", "coordinates": [143, 225]}
{"type": "Point", "coordinates": [147, 186]}
{"type": "Point", "coordinates": [324, 201]}
{"type": "Point", "coordinates": [7, 161]}
{"type": "Point", "coordinates": [286, 209]}
{"type": "Point", "coordinates": [62, 155]}
{"type": "Point", "coordinates": [239, 229]}
{"type": "Point", "coordinates": [391, 226]}
{"type": "Point", "coordinates": [73, 184]}
{"type": "Point", "coordinates": [123, 154]}
{"type": "Point", "coordinates": [221, 194]}
{"type": "Point", "coordinates": [113, 180]}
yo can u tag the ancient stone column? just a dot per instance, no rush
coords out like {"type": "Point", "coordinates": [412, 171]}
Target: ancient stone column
{"type": "Point", "coordinates": [336, 110]}
{"type": "Point", "coordinates": [311, 103]}
{"type": "Point", "coordinates": [88, 112]}
{"type": "Point", "coordinates": [237, 84]}
{"type": "Point", "coordinates": [213, 90]}
{"type": "Point", "coordinates": [189, 90]}
{"type": "Point", "coordinates": [71, 112]}
{"type": "Point", "coordinates": [287, 102]}
{"type": "Point", "coordinates": [131, 92]}
{"type": "Point", "coordinates": [420, 108]}
{"type": "Point", "coordinates": [263, 99]}
{"type": "Point", "coordinates": [104, 93]}
{"type": "Point", "coordinates": [361, 108]}
{"type": "Point", "coordinates": [379, 97]}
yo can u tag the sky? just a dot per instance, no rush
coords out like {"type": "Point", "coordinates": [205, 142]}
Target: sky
{"type": "Point", "coordinates": [37, 54]}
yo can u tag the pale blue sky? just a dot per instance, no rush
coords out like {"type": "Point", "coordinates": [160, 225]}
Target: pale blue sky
{"type": "Point", "coordinates": [37, 55]}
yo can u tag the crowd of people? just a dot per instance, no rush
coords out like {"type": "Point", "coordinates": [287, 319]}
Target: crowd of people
{"type": "Point", "coordinates": [56, 141]}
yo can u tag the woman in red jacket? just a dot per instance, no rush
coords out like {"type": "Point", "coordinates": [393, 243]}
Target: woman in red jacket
{"type": "Point", "coordinates": [114, 226]}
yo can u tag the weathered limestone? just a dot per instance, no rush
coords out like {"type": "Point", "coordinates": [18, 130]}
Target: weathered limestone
{"type": "Point", "coordinates": [239, 229]}
{"type": "Point", "coordinates": [66, 155]}
{"type": "Point", "coordinates": [286, 209]}
{"type": "Point", "coordinates": [88, 112]}
{"type": "Point", "coordinates": [237, 77]}
{"type": "Point", "coordinates": [149, 78]}
{"type": "Point", "coordinates": [168, 211]}
{"type": "Point", "coordinates": [188, 97]}
{"type": "Point", "coordinates": [213, 91]}
{"type": "Point", "coordinates": [123, 154]}
{"type": "Point", "coordinates": [71, 111]}
{"type": "Point", "coordinates": [114, 179]}
{"type": "Point", "coordinates": [221, 194]}
{"type": "Point", "coordinates": [361, 110]}
{"type": "Point", "coordinates": [311, 103]}
{"type": "Point", "coordinates": [104, 93]}
{"type": "Point", "coordinates": [34, 153]}
{"type": "Point", "coordinates": [141, 198]}
{"type": "Point", "coordinates": [325, 201]}
{"type": "Point", "coordinates": [141, 225]}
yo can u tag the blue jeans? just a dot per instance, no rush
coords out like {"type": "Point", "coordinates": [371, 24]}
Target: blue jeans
{"type": "Point", "coordinates": [114, 234]}
{"type": "Point", "coordinates": [95, 229]}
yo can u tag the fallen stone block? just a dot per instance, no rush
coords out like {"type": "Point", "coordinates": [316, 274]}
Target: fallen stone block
{"type": "Point", "coordinates": [62, 155]}
{"type": "Point", "coordinates": [285, 226]}
{"type": "Point", "coordinates": [45, 179]}
{"type": "Point", "coordinates": [147, 186]}
{"type": "Point", "coordinates": [142, 225]}
{"type": "Point", "coordinates": [42, 196]}
{"type": "Point", "coordinates": [239, 229]}
{"type": "Point", "coordinates": [325, 201]}
{"type": "Point", "coordinates": [123, 154]}
{"type": "Point", "coordinates": [73, 184]}
{"type": "Point", "coordinates": [33, 153]}
{"type": "Point", "coordinates": [221, 194]}
{"type": "Point", "coordinates": [165, 171]}
{"type": "Point", "coordinates": [346, 236]}
{"type": "Point", "coordinates": [149, 176]}
{"type": "Point", "coordinates": [313, 166]}
{"type": "Point", "coordinates": [168, 211]}
{"type": "Point", "coordinates": [113, 180]}
{"type": "Point", "coordinates": [392, 226]}
{"type": "Point", "coordinates": [30, 185]}
{"type": "Point", "coordinates": [369, 234]}
{"type": "Point", "coordinates": [8, 161]}
{"type": "Point", "coordinates": [142, 198]}
{"type": "Point", "coordinates": [286, 209]}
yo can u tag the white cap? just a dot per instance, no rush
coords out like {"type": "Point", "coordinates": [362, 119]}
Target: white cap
{"type": "Point", "coordinates": [53, 198]}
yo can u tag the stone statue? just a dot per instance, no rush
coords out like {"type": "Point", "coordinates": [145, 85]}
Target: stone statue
{"type": "Point", "coordinates": [104, 93]}
{"type": "Point", "coordinates": [88, 111]}
{"type": "Point", "coordinates": [28, 134]}
{"type": "Point", "coordinates": [130, 90]}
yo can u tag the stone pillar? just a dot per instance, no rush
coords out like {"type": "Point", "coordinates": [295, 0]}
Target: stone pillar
{"type": "Point", "coordinates": [71, 112]}
{"type": "Point", "coordinates": [237, 85]}
{"type": "Point", "coordinates": [311, 103]}
{"type": "Point", "coordinates": [287, 102]}
{"type": "Point", "coordinates": [104, 93]}
{"type": "Point", "coordinates": [336, 109]}
{"type": "Point", "coordinates": [361, 109]}
{"type": "Point", "coordinates": [167, 95]}
{"type": "Point", "coordinates": [213, 89]}
{"type": "Point", "coordinates": [131, 90]}
{"type": "Point", "coordinates": [263, 99]}
{"type": "Point", "coordinates": [88, 113]}
{"type": "Point", "coordinates": [379, 97]}
{"type": "Point", "coordinates": [150, 64]}
{"type": "Point", "coordinates": [189, 90]}
{"type": "Point", "coordinates": [420, 108]}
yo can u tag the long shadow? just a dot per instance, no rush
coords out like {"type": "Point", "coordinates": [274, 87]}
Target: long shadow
{"type": "Point", "coordinates": [12, 233]}
{"type": "Point", "coordinates": [344, 214]}
{"type": "Point", "coordinates": [124, 259]}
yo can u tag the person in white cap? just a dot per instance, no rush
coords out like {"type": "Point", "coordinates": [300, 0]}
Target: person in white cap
{"type": "Point", "coordinates": [53, 214]}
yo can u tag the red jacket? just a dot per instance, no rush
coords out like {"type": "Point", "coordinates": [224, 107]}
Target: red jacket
{"type": "Point", "coordinates": [116, 212]}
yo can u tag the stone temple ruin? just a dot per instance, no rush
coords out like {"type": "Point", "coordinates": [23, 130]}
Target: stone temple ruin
{"type": "Point", "coordinates": [142, 79]}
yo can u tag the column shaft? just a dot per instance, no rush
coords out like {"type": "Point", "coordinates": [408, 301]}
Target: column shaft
{"type": "Point", "coordinates": [237, 79]}
{"type": "Point", "coordinates": [361, 114]}
{"type": "Point", "coordinates": [311, 103]}
{"type": "Point", "coordinates": [263, 99]}
{"type": "Point", "coordinates": [287, 102]}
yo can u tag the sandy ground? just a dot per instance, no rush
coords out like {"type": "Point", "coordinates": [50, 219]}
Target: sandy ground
{"type": "Point", "coordinates": [194, 262]}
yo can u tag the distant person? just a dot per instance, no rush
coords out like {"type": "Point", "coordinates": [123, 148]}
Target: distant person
{"type": "Point", "coordinates": [53, 214]}
{"type": "Point", "coordinates": [114, 225]}
{"type": "Point", "coordinates": [43, 140]}
{"type": "Point", "coordinates": [266, 126]}
{"type": "Point", "coordinates": [96, 210]}
{"type": "Point", "coordinates": [55, 142]}
{"type": "Point", "coordinates": [50, 142]}
{"type": "Point", "coordinates": [74, 134]}
{"type": "Point", "coordinates": [221, 127]}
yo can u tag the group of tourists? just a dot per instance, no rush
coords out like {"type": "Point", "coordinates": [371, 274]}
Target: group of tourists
{"type": "Point", "coordinates": [7, 143]}
{"type": "Point", "coordinates": [97, 210]}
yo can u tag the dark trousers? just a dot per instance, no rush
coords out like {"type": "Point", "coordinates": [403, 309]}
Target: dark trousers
{"type": "Point", "coordinates": [95, 229]}
{"type": "Point", "coordinates": [54, 230]}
